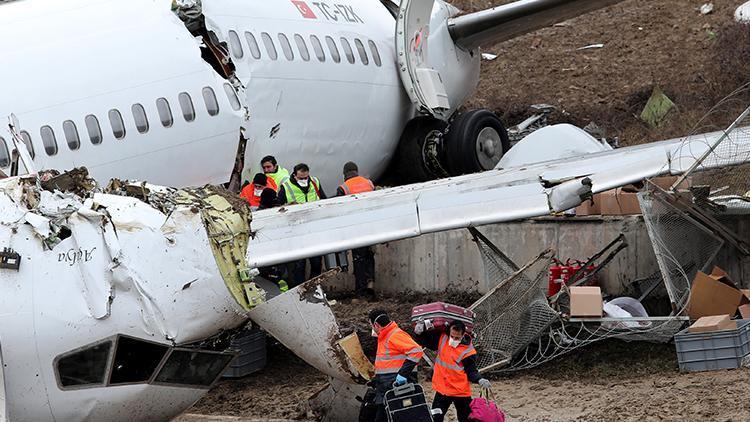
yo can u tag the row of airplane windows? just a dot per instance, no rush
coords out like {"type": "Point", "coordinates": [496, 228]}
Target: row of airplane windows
{"type": "Point", "coordinates": [117, 124]}
{"type": "Point", "coordinates": [236, 46]}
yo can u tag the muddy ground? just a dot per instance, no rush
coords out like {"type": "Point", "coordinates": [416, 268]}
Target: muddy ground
{"type": "Point", "coordinates": [608, 381]}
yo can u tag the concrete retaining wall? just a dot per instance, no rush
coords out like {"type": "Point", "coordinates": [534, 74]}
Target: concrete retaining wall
{"type": "Point", "coordinates": [451, 259]}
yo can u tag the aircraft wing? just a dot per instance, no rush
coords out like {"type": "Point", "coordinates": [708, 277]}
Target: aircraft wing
{"type": "Point", "coordinates": [299, 231]}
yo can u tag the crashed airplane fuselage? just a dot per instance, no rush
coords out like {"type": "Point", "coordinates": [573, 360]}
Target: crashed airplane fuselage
{"type": "Point", "coordinates": [125, 88]}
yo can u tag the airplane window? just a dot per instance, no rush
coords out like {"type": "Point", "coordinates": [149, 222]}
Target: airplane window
{"type": "Point", "coordinates": [94, 130]}
{"type": "Point", "coordinates": [48, 140]}
{"type": "Point", "coordinates": [26, 138]}
{"type": "Point", "coordinates": [270, 48]}
{"type": "Point", "coordinates": [302, 47]}
{"type": "Point", "coordinates": [253, 44]}
{"type": "Point", "coordinates": [375, 53]}
{"type": "Point", "coordinates": [71, 135]}
{"type": "Point", "coordinates": [286, 47]}
{"type": "Point", "coordinates": [235, 45]}
{"type": "Point", "coordinates": [209, 98]}
{"type": "Point", "coordinates": [232, 96]}
{"type": "Point", "coordinates": [118, 125]}
{"type": "Point", "coordinates": [140, 118]}
{"type": "Point", "coordinates": [333, 50]}
{"type": "Point", "coordinates": [135, 360]}
{"type": "Point", "coordinates": [84, 367]}
{"type": "Point", "coordinates": [347, 50]}
{"type": "Point", "coordinates": [190, 367]}
{"type": "Point", "coordinates": [165, 112]}
{"type": "Point", "coordinates": [362, 51]}
{"type": "Point", "coordinates": [4, 154]}
{"type": "Point", "coordinates": [318, 48]}
{"type": "Point", "coordinates": [186, 104]}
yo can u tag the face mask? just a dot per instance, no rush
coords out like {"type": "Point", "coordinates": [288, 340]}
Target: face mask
{"type": "Point", "coordinates": [454, 343]}
{"type": "Point", "coordinates": [303, 183]}
{"type": "Point", "coordinates": [257, 192]}
{"type": "Point", "coordinates": [373, 333]}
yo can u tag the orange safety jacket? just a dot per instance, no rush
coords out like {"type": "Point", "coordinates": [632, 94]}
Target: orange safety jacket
{"type": "Point", "coordinates": [449, 377]}
{"type": "Point", "coordinates": [357, 184]}
{"type": "Point", "coordinates": [395, 347]}
{"type": "Point", "coordinates": [248, 192]}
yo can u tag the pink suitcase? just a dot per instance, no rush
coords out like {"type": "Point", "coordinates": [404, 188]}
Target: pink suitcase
{"type": "Point", "coordinates": [442, 314]}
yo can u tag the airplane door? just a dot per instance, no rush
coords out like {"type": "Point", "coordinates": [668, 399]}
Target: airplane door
{"type": "Point", "coordinates": [423, 84]}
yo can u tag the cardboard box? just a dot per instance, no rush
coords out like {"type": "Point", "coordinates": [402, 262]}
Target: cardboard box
{"type": "Point", "coordinates": [589, 208]}
{"type": "Point", "coordinates": [619, 202]}
{"type": "Point", "coordinates": [713, 323]}
{"type": "Point", "coordinates": [666, 182]}
{"type": "Point", "coordinates": [586, 301]}
{"type": "Point", "coordinates": [713, 294]}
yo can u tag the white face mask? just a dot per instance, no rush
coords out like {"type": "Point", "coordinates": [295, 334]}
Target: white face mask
{"type": "Point", "coordinates": [257, 191]}
{"type": "Point", "coordinates": [453, 343]}
{"type": "Point", "coordinates": [303, 183]}
{"type": "Point", "coordinates": [373, 333]}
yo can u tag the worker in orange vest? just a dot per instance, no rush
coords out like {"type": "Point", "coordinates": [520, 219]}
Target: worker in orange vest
{"type": "Point", "coordinates": [253, 191]}
{"type": "Point", "coordinates": [364, 258]}
{"type": "Point", "coordinates": [455, 367]}
{"type": "Point", "coordinates": [396, 359]}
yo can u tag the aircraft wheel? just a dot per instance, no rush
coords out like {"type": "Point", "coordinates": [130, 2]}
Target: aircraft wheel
{"type": "Point", "coordinates": [476, 141]}
{"type": "Point", "coordinates": [418, 152]}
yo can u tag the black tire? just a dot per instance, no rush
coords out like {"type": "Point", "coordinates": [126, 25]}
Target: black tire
{"type": "Point", "coordinates": [410, 159]}
{"type": "Point", "coordinates": [462, 145]}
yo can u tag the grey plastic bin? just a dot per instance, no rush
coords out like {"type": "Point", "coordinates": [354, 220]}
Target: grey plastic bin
{"type": "Point", "coordinates": [713, 350]}
{"type": "Point", "coordinates": [251, 345]}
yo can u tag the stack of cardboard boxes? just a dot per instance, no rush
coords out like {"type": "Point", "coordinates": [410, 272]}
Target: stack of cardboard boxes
{"type": "Point", "coordinates": [623, 201]}
{"type": "Point", "coordinates": [715, 300]}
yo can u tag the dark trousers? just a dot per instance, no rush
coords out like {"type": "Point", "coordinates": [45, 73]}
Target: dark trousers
{"type": "Point", "coordinates": [381, 415]}
{"type": "Point", "coordinates": [298, 270]}
{"type": "Point", "coordinates": [364, 269]}
{"type": "Point", "coordinates": [444, 402]}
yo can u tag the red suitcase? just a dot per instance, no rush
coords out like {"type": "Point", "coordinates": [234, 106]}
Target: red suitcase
{"type": "Point", "coordinates": [442, 314]}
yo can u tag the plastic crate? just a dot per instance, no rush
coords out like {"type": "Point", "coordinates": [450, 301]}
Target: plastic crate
{"type": "Point", "coordinates": [251, 345]}
{"type": "Point", "coordinates": [715, 350]}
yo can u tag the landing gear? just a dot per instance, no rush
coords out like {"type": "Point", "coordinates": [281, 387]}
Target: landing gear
{"type": "Point", "coordinates": [430, 149]}
{"type": "Point", "coordinates": [418, 157]}
{"type": "Point", "coordinates": [476, 141]}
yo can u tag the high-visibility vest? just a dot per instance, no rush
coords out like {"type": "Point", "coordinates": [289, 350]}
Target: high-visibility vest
{"type": "Point", "coordinates": [357, 184]}
{"type": "Point", "coordinates": [280, 177]}
{"type": "Point", "coordinates": [295, 194]}
{"type": "Point", "coordinates": [395, 347]}
{"type": "Point", "coordinates": [449, 377]}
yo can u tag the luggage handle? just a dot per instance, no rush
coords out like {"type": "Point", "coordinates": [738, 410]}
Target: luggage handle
{"type": "Point", "coordinates": [400, 390]}
{"type": "Point", "coordinates": [486, 394]}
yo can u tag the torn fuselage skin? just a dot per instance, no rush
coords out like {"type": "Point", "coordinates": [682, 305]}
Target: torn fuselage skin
{"type": "Point", "coordinates": [121, 270]}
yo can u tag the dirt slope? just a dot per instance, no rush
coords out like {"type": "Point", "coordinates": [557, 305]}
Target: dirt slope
{"type": "Point", "coordinates": [696, 59]}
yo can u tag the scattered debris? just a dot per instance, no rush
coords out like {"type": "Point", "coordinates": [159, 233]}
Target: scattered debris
{"type": "Point", "coordinates": [489, 56]}
{"type": "Point", "coordinates": [10, 259]}
{"type": "Point", "coordinates": [657, 108]}
{"type": "Point", "coordinates": [742, 14]}
{"type": "Point", "coordinates": [591, 46]}
{"type": "Point", "coordinates": [707, 8]}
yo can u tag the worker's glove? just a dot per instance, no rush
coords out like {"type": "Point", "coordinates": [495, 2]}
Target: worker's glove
{"type": "Point", "coordinates": [400, 380]}
{"type": "Point", "coordinates": [484, 383]}
{"type": "Point", "coordinates": [428, 324]}
{"type": "Point", "coordinates": [419, 328]}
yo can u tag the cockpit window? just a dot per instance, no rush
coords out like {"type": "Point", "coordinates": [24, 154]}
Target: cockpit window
{"type": "Point", "coordinates": [135, 360]}
{"type": "Point", "coordinates": [84, 367]}
{"type": "Point", "coordinates": [193, 368]}
{"type": "Point", "coordinates": [4, 154]}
